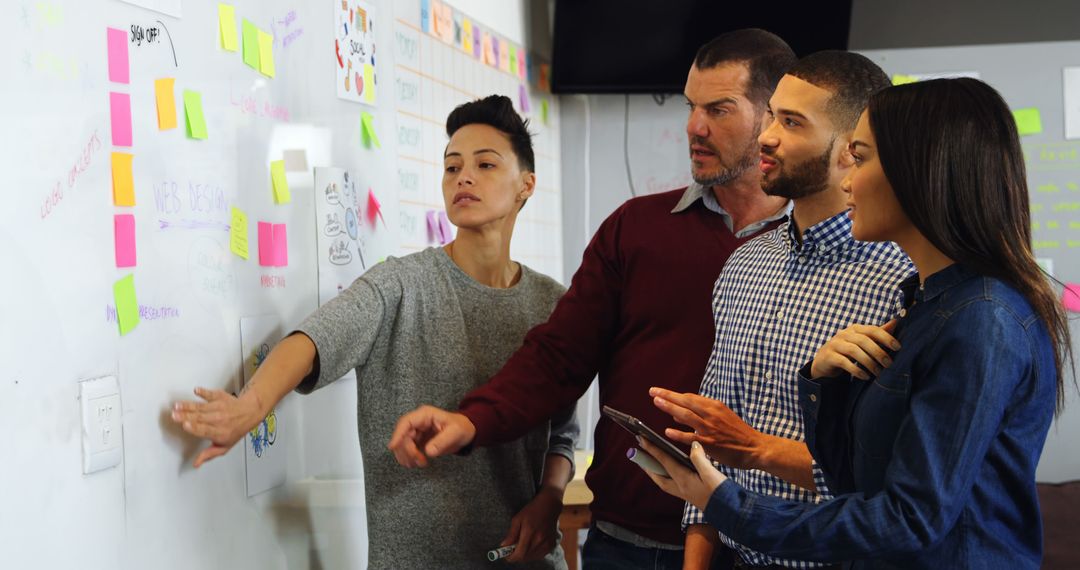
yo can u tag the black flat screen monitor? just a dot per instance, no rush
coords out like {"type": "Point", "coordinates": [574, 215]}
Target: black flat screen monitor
{"type": "Point", "coordinates": [647, 46]}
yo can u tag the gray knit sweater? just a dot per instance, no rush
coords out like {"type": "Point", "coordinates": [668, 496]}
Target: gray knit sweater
{"type": "Point", "coordinates": [418, 330]}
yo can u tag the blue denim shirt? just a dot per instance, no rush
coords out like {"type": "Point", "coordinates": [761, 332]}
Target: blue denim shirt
{"type": "Point", "coordinates": [936, 456]}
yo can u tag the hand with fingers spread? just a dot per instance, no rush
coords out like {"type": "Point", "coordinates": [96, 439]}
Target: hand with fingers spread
{"type": "Point", "coordinates": [535, 527]}
{"type": "Point", "coordinates": [429, 432]}
{"type": "Point", "coordinates": [859, 350]}
{"type": "Point", "coordinates": [693, 486]}
{"type": "Point", "coordinates": [726, 437]}
{"type": "Point", "coordinates": [222, 418]}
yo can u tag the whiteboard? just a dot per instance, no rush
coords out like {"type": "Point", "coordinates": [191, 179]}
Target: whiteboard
{"type": "Point", "coordinates": [57, 250]}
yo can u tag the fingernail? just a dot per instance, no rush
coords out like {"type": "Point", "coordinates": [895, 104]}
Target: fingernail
{"type": "Point", "coordinates": [695, 445]}
{"type": "Point", "coordinates": [888, 361]}
{"type": "Point", "coordinates": [638, 439]}
{"type": "Point", "coordinates": [652, 391]}
{"type": "Point", "coordinates": [175, 415]}
{"type": "Point", "coordinates": [895, 345]}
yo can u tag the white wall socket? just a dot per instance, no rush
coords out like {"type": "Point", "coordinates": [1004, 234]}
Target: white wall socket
{"type": "Point", "coordinates": [102, 423]}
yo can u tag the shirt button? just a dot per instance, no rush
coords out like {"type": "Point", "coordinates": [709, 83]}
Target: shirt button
{"type": "Point", "coordinates": [779, 315]}
{"type": "Point", "coordinates": [903, 313]}
{"type": "Point", "coordinates": [768, 375]}
{"type": "Point", "coordinates": [821, 248]}
{"type": "Point", "coordinates": [813, 397]}
{"type": "Point", "coordinates": [802, 260]}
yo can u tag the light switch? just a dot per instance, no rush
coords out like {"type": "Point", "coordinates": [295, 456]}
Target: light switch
{"type": "Point", "coordinates": [102, 425]}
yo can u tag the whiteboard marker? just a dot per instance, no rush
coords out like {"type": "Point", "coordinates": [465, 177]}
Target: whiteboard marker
{"type": "Point", "coordinates": [501, 552]}
{"type": "Point", "coordinates": [646, 461]}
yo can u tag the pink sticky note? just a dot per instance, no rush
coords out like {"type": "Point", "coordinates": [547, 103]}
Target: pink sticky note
{"type": "Point", "coordinates": [266, 244]}
{"type": "Point", "coordinates": [444, 228]}
{"type": "Point", "coordinates": [118, 56]}
{"type": "Point", "coordinates": [433, 233]}
{"type": "Point", "coordinates": [1070, 297]}
{"type": "Point", "coordinates": [120, 109]}
{"type": "Point", "coordinates": [523, 96]}
{"type": "Point", "coordinates": [281, 246]}
{"type": "Point", "coordinates": [124, 229]}
{"type": "Point", "coordinates": [374, 209]}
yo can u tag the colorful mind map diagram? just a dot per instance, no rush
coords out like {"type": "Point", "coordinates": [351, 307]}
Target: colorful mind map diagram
{"type": "Point", "coordinates": [354, 51]}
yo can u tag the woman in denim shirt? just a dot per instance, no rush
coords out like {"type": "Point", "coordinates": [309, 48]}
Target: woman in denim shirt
{"type": "Point", "coordinates": [931, 448]}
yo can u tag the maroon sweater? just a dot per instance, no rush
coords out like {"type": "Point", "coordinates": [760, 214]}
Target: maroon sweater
{"type": "Point", "coordinates": [639, 314]}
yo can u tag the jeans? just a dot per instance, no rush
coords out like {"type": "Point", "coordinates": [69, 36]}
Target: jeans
{"type": "Point", "coordinates": [604, 552]}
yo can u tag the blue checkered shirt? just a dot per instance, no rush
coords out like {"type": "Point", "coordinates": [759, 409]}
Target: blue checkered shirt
{"type": "Point", "coordinates": [775, 303]}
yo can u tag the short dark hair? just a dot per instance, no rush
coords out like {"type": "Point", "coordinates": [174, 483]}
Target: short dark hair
{"type": "Point", "coordinates": [852, 79]}
{"type": "Point", "coordinates": [496, 111]}
{"type": "Point", "coordinates": [950, 150]}
{"type": "Point", "coordinates": [764, 54]}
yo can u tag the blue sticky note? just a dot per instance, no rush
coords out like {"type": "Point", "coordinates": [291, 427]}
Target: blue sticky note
{"type": "Point", "coordinates": [425, 15]}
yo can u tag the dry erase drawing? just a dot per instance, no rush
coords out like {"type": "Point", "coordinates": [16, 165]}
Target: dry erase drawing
{"type": "Point", "coordinates": [354, 50]}
{"type": "Point", "coordinates": [264, 453]}
{"type": "Point", "coordinates": [341, 201]}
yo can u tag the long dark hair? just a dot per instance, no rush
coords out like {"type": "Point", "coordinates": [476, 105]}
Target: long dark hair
{"type": "Point", "coordinates": [950, 150]}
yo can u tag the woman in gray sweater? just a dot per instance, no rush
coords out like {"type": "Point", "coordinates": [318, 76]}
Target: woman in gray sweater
{"type": "Point", "coordinates": [429, 327]}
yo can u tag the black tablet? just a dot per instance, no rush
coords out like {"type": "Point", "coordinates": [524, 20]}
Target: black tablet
{"type": "Point", "coordinates": [634, 426]}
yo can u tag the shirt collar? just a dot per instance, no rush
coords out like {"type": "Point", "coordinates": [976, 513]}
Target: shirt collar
{"type": "Point", "coordinates": [693, 192]}
{"type": "Point", "coordinates": [696, 191]}
{"type": "Point", "coordinates": [942, 281]}
{"type": "Point", "coordinates": [823, 236]}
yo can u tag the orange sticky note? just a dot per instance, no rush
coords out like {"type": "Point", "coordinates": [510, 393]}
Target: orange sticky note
{"type": "Point", "coordinates": [123, 179]}
{"type": "Point", "coordinates": [166, 103]}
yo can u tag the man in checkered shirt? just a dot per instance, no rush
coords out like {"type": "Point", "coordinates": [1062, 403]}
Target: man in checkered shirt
{"type": "Point", "coordinates": [784, 294]}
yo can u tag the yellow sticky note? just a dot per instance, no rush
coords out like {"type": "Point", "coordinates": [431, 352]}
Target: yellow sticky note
{"type": "Point", "coordinates": [544, 111]}
{"type": "Point", "coordinates": [513, 60]}
{"type": "Point", "coordinates": [238, 233]}
{"type": "Point", "coordinates": [466, 36]}
{"type": "Point", "coordinates": [166, 103]}
{"type": "Point", "coordinates": [127, 308]}
{"type": "Point", "coordinates": [900, 79]}
{"type": "Point", "coordinates": [251, 44]}
{"type": "Point", "coordinates": [1028, 121]}
{"type": "Point", "coordinates": [281, 186]}
{"type": "Point", "coordinates": [367, 128]}
{"type": "Point", "coordinates": [369, 83]}
{"type": "Point", "coordinates": [196, 123]}
{"type": "Point", "coordinates": [122, 179]}
{"type": "Point", "coordinates": [227, 23]}
{"type": "Point", "coordinates": [266, 54]}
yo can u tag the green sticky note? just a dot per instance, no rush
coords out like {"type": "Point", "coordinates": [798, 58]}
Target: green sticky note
{"type": "Point", "coordinates": [196, 123]}
{"type": "Point", "coordinates": [900, 79]}
{"type": "Point", "coordinates": [266, 54]}
{"type": "Point", "coordinates": [238, 233]}
{"type": "Point", "coordinates": [227, 23]}
{"type": "Point", "coordinates": [251, 45]}
{"type": "Point", "coordinates": [1028, 121]}
{"type": "Point", "coordinates": [513, 60]}
{"type": "Point", "coordinates": [367, 126]}
{"type": "Point", "coordinates": [281, 186]}
{"type": "Point", "coordinates": [127, 308]}
{"type": "Point", "coordinates": [544, 111]}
